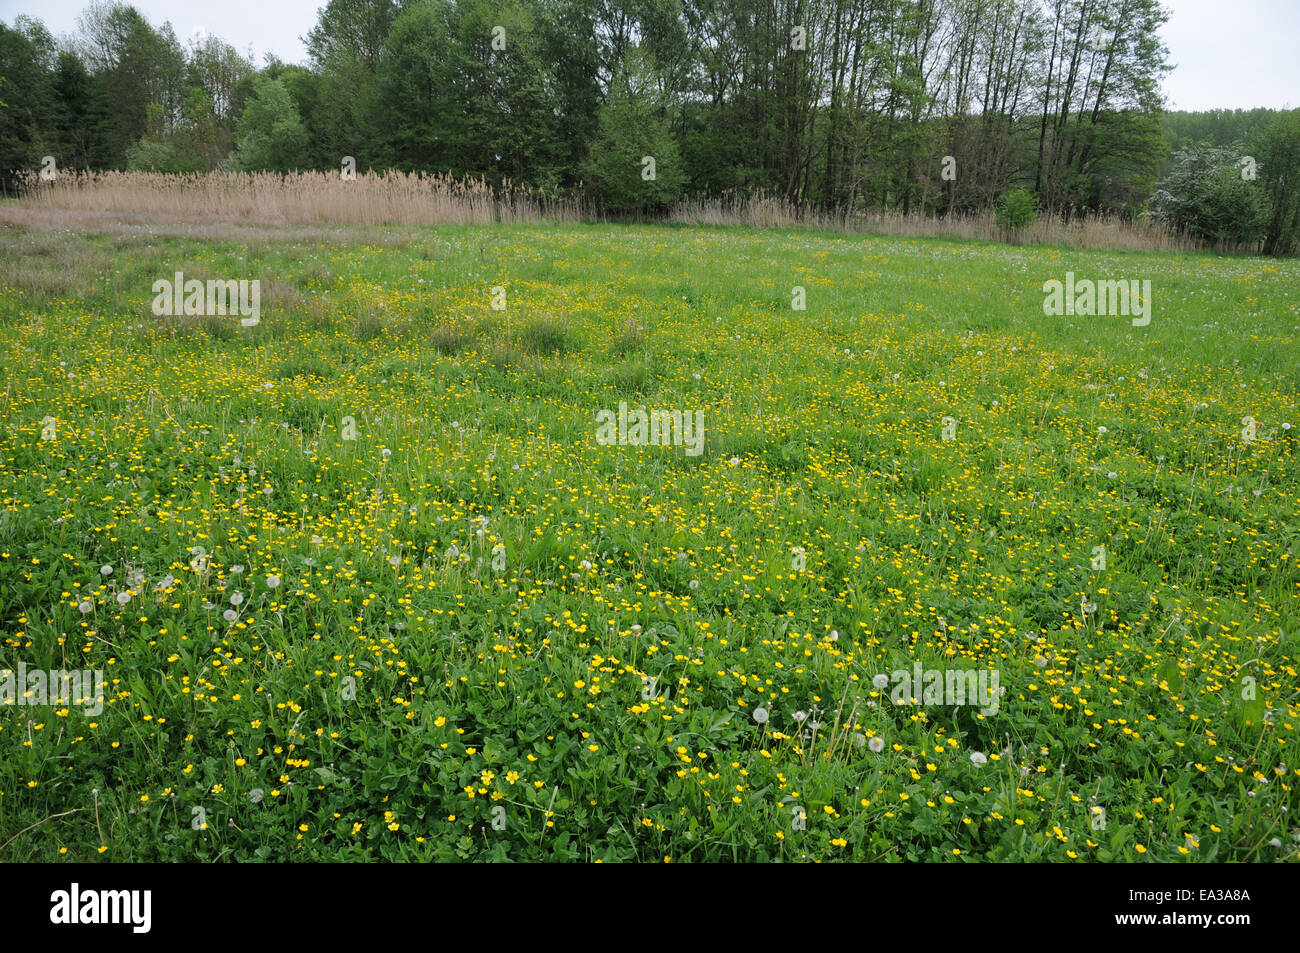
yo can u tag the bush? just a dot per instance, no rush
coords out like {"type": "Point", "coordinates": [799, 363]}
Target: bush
{"type": "Point", "coordinates": [1206, 195]}
{"type": "Point", "coordinates": [1017, 209]}
{"type": "Point", "coordinates": [631, 128]}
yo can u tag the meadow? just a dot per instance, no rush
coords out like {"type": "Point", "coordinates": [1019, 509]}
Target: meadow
{"type": "Point", "coordinates": [364, 585]}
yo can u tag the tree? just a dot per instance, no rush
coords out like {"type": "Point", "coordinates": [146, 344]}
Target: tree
{"type": "Point", "coordinates": [1278, 150]}
{"type": "Point", "coordinates": [79, 114]}
{"type": "Point", "coordinates": [419, 119]}
{"type": "Point", "coordinates": [352, 30]}
{"type": "Point", "coordinates": [270, 136]}
{"type": "Point", "coordinates": [1207, 195]}
{"type": "Point", "coordinates": [635, 165]}
{"type": "Point", "coordinates": [217, 69]}
{"type": "Point", "coordinates": [26, 51]}
{"type": "Point", "coordinates": [466, 88]}
{"type": "Point", "coordinates": [138, 65]}
{"type": "Point", "coordinates": [345, 47]}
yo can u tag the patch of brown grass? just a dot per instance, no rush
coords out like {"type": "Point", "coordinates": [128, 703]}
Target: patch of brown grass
{"type": "Point", "coordinates": [311, 205]}
{"type": "Point", "coordinates": [389, 198]}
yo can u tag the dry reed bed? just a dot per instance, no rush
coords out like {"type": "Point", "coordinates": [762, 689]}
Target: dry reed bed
{"type": "Point", "coordinates": [1099, 232]}
{"type": "Point", "coordinates": [413, 198]}
{"type": "Point", "coordinates": [299, 198]}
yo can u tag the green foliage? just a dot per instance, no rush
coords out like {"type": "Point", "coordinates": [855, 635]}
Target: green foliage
{"type": "Point", "coordinates": [24, 52]}
{"type": "Point", "coordinates": [270, 136]}
{"type": "Point", "coordinates": [1188, 129]}
{"type": "Point", "coordinates": [137, 66]}
{"type": "Point", "coordinates": [1208, 194]}
{"type": "Point", "coordinates": [465, 88]}
{"type": "Point", "coordinates": [635, 165]}
{"type": "Point", "coordinates": [357, 708]}
{"type": "Point", "coordinates": [1017, 209]}
{"type": "Point", "coordinates": [1278, 149]}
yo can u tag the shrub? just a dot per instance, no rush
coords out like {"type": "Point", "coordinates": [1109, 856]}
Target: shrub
{"type": "Point", "coordinates": [1206, 195]}
{"type": "Point", "coordinates": [1017, 209]}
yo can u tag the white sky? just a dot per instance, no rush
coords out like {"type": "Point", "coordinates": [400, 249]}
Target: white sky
{"type": "Point", "coordinates": [1229, 54]}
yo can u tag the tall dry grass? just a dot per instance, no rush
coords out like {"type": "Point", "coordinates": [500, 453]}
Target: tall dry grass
{"type": "Point", "coordinates": [413, 198]}
{"type": "Point", "coordinates": [299, 198]}
{"type": "Point", "coordinates": [1098, 232]}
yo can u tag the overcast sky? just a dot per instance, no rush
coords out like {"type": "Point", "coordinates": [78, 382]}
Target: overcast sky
{"type": "Point", "coordinates": [1228, 54]}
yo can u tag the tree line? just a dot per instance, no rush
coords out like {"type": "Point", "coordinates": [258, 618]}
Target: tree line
{"type": "Point", "coordinates": [917, 106]}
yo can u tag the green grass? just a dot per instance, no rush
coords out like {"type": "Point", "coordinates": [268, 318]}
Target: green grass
{"type": "Point", "coordinates": [495, 638]}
